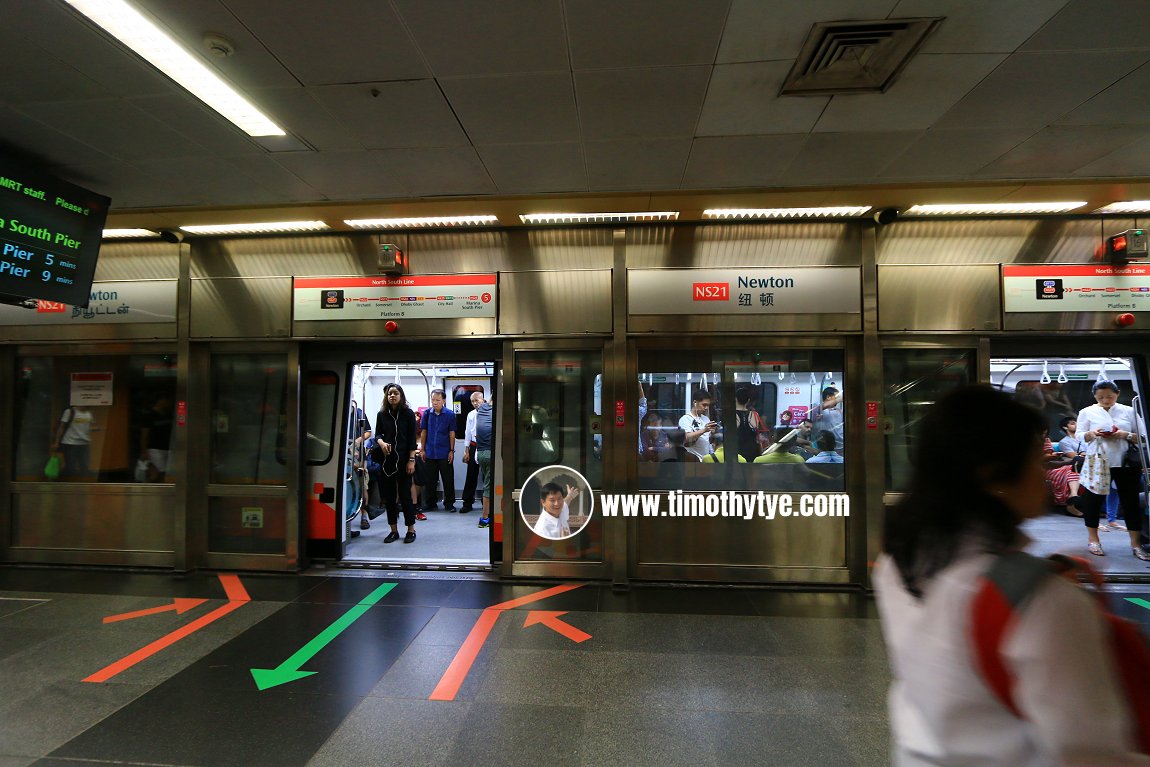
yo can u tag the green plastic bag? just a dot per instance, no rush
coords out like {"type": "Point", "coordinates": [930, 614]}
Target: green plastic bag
{"type": "Point", "coordinates": [52, 468]}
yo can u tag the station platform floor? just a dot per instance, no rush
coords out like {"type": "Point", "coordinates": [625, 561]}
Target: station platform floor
{"type": "Point", "coordinates": [365, 667]}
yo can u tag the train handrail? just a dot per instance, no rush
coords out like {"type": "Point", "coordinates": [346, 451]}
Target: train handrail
{"type": "Point", "coordinates": [1142, 447]}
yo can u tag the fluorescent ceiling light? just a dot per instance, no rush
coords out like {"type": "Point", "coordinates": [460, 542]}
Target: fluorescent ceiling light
{"type": "Point", "coordinates": [830, 212]}
{"type": "Point", "coordinates": [130, 27]}
{"type": "Point", "coordinates": [123, 234]}
{"type": "Point", "coordinates": [596, 218]}
{"type": "Point", "coordinates": [1129, 206]}
{"type": "Point", "coordinates": [992, 209]}
{"type": "Point", "coordinates": [273, 226]}
{"type": "Point", "coordinates": [421, 223]}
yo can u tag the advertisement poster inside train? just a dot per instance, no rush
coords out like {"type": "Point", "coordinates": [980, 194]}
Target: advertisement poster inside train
{"type": "Point", "coordinates": [448, 296]}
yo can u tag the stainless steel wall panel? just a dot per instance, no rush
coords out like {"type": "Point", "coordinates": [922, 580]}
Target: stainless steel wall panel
{"type": "Point", "coordinates": [720, 323]}
{"type": "Point", "coordinates": [284, 256]}
{"type": "Point", "coordinates": [1070, 322]}
{"type": "Point", "coordinates": [754, 244]}
{"type": "Point", "coordinates": [107, 518]}
{"type": "Point", "coordinates": [151, 260]}
{"type": "Point", "coordinates": [1007, 241]}
{"type": "Point", "coordinates": [555, 302]}
{"type": "Point", "coordinates": [143, 332]}
{"type": "Point", "coordinates": [939, 297]}
{"type": "Point", "coordinates": [241, 307]}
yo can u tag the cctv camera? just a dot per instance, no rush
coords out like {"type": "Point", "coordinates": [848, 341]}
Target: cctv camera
{"type": "Point", "coordinates": [171, 235]}
{"type": "Point", "coordinates": [885, 215]}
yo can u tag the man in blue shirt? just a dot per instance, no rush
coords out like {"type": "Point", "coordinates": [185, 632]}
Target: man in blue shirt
{"type": "Point", "coordinates": [437, 444]}
{"type": "Point", "coordinates": [826, 446]}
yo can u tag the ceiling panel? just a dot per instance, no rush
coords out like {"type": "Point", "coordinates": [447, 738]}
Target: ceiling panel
{"type": "Point", "coordinates": [297, 112]}
{"type": "Point", "coordinates": [209, 179]}
{"type": "Point", "coordinates": [827, 158]}
{"type": "Point", "coordinates": [1093, 25]}
{"type": "Point", "coordinates": [636, 103]}
{"type": "Point", "coordinates": [926, 90]}
{"type": "Point", "coordinates": [25, 136]}
{"type": "Point", "coordinates": [1061, 149]}
{"type": "Point", "coordinates": [1123, 103]}
{"type": "Point", "coordinates": [188, 116]}
{"type": "Point", "coordinates": [131, 187]}
{"type": "Point", "coordinates": [344, 41]}
{"type": "Point", "coordinates": [769, 31]}
{"type": "Point", "coordinates": [980, 26]}
{"type": "Point", "coordinates": [740, 161]}
{"type": "Point", "coordinates": [1031, 89]}
{"type": "Point", "coordinates": [342, 175]}
{"type": "Point", "coordinates": [33, 74]}
{"type": "Point", "coordinates": [1129, 161]}
{"type": "Point", "coordinates": [407, 114]}
{"type": "Point", "coordinates": [265, 171]}
{"type": "Point", "coordinates": [436, 172]}
{"type": "Point", "coordinates": [607, 34]}
{"type": "Point", "coordinates": [117, 127]}
{"type": "Point", "coordinates": [251, 65]}
{"type": "Point", "coordinates": [542, 106]}
{"type": "Point", "coordinates": [535, 168]}
{"type": "Point", "coordinates": [743, 99]}
{"type": "Point", "coordinates": [951, 153]}
{"type": "Point", "coordinates": [657, 164]}
{"type": "Point", "coordinates": [462, 37]}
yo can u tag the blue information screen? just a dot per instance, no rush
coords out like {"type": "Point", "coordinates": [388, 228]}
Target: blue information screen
{"type": "Point", "coordinates": [50, 232]}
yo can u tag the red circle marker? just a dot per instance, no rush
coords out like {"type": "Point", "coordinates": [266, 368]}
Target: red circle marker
{"type": "Point", "coordinates": [1125, 320]}
{"type": "Point", "coordinates": [391, 326]}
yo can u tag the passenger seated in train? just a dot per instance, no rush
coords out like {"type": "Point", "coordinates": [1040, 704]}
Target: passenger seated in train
{"type": "Point", "coordinates": [826, 445]}
{"type": "Point", "coordinates": [652, 436]}
{"type": "Point", "coordinates": [1061, 478]}
{"type": "Point", "coordinates": [676, 449]}
{"type": "Point", "coordinates": [717, 456]}
{"type": "Point", "coordinates": [782, 448]}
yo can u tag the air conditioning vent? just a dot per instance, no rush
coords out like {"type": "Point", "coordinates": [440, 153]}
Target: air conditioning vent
{"type": "Point", "coordinates": [855, 56]}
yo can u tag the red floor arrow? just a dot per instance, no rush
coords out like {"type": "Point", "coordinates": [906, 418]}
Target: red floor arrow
{"type": "Point", "coordinates": [179, 605]}
{"type": "Point", "coordinates": [551, 620]}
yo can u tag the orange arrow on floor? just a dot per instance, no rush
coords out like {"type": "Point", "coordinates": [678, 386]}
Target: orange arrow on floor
{"type": "Point", "coordinates": [179, 605]}
{"type": "Point", "coordinates": [550, 619]}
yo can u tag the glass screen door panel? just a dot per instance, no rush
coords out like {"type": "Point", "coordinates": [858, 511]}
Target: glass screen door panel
{"type": "Point", "coordinates": [558, 418]}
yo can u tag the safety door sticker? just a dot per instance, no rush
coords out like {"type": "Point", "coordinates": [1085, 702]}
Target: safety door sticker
{"type": "Point", "coordinates": [1076, 288]}
{"type": "Point", "coordinates": [450, 296]}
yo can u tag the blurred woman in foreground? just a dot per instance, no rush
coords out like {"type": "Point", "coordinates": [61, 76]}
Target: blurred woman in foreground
{"type": "Point", "coordinates": [964, 509]}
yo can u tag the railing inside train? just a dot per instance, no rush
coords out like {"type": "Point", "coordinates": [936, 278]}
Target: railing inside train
{"type": "Point", "coordinates": [1143, 451]}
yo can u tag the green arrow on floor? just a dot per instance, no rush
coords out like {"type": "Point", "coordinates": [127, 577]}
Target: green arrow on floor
{"type": "Point", "coordinates": [1139, 602]}
{"type": "Point", "coordinates": [288, 671]}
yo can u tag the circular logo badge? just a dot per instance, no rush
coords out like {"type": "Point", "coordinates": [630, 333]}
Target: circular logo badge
{"type": "Point", "coordinates": [486, 297]}
{"type": "Point", "coordinates": [556, 502]}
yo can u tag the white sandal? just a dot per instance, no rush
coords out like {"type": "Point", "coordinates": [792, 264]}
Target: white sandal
{"type": "Point", "coordinates": [1141, 553]}
{"type": "Point", "coordinates": [1095, 549]}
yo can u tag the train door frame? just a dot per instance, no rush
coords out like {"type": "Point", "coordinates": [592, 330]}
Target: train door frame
{"type": "Point", "coordinates": [323, 354]}
{"type": "Point", "coordinates": [856, 390]}
{"type": "Point", "coordinates": [512, 483]}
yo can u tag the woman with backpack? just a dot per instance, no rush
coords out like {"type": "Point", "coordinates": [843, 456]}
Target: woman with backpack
{"type": "Point", "coordinates": [395, 450]}
{"type": "Point", "coordinates": [943, 543]}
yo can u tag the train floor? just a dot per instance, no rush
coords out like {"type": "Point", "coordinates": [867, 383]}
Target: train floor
{"type": "Point", "coordinates": [363, 668]}
{"type": "Point", "coordinates": [444, 538]}
{"type": "Point", "coordinates": [1058, 533]}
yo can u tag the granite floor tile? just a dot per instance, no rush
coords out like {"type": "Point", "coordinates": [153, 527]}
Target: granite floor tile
{"type": "Point", "coordinates": [395, 732]}
{"type": "Point", "coordinates": [610, 632]}
{"type": "Point", "coordinates": [36, 724]}
{"type": "Point", "coordinates": [451, 627]}
{"type": "Point", "coordinates": [645, 737]}
{"type": "Point", "coordinates": [419, 670]}
{"type": "Point", "coordinates": [541, 678]}
{"type": "Point", "coordinates": [787, 741]}
{"type": "Point", "coordinates": [513, 735]}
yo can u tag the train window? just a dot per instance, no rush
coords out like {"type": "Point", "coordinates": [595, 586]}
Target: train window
{"type": "Point", "coordinates": [770, 421]}
{"type": "Point", "coordinates": [249, 415]}
{"type": "Point", "coordinates": [914, 379]}
{"type": "Point", "coordinates": [555, 393]}
{"type": "Point", "coordinates": [105, 419]}
{"type": "Point", "coordinates": [322, 397]}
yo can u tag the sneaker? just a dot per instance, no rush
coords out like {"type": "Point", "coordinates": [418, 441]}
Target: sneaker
{"type": "Point", "coordinates": [1141, 553]}
{"type": "Point", "coordinates": [484, 522]}
{"type": "Point", "coordinates": [421, 517]}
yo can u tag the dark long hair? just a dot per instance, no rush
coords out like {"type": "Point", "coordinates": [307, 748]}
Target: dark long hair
{"type": "Point", "coordinates": [402, 397]}
{"type": "Point", "coordinates": [948, 504]}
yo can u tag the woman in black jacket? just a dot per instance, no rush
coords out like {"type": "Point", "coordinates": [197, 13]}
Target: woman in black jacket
{"type": "Point", "coordinates": [395, 450]}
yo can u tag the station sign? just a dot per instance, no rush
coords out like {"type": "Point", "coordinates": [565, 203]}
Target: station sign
{"type": "Point", "coordinates": [1076, 288]}
{"type": "Point", "coordinates": [415, 297]}
{"type": "Point", "coordinates": [750, 291]}
{"type": "Point", "coordinates": [109, 303]}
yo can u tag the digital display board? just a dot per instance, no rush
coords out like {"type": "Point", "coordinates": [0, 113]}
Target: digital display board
{"type": "Point", "coordinates": [50, 232]}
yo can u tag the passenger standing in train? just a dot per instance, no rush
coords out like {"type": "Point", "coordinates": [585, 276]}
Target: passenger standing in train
{"type": "Point", "coordinates": [747, 425]}
{"type": "Point", "coordinates": [484, 444]}
{"type": "Point", "coordinates": [437, 443]}
{"type": "Point", "coordinates": [395, 451]}
{"type": "Point", "coordinates": [698, 426]}
{"type": "Point", "coordinates": [74, 440]}
{"type": "Point", "coordinates": [468, 454]}
{"type": "Point", "coordinates": [652, 438]}
{"type": "Point", "coordinates": [828, 416]}
{"type": "Point", "coordinates": [156, 437]}
{"type": "Point", "coordinates": [937, 545]}
{"type": "Point", "coordinates": [1112, 426]}
{"type": "Point", "coordinates": [642, 414]}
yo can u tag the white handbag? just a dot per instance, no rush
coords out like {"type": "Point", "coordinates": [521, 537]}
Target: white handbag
{"type": "Point", "coordinates": [1095, 474]}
